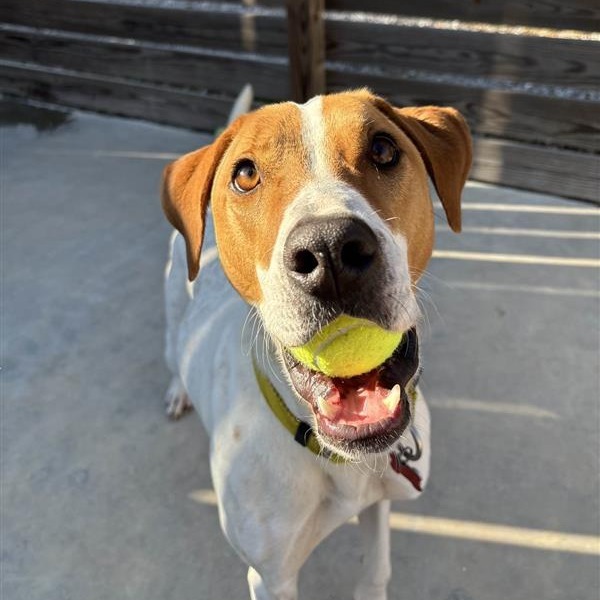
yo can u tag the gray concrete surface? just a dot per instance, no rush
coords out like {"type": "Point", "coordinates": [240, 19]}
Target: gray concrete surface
{"type": "Point", "coordinates": [98, 487]}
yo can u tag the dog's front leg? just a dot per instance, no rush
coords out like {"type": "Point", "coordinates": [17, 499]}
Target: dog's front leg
{"type": "Point", "coordinates": [260, 590]}
{"type": "Point", "coordinates": [376, 567]}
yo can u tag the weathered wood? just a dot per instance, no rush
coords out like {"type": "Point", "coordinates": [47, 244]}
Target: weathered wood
{"type": "Point", "coordinates": [115, 96]}
{"type": "Point", "coordinates": [547, 170]}
{"type": "Point", "coordinates": [181, 62]}
{"type": "Point", "coordinates": [130, 19]}
{"type": "Point", "coordinates": [532, 59]}
{"type": "Point", "coordinates": [181, 66]}
{"type": "Point", "coordinates": [306, 40]}
{"type": "Point", "coordinates": [558, 14]}
{"type": "Point", "coordinates": [570, 124]}
{"type": "Point", "coordinates": [561, 62]}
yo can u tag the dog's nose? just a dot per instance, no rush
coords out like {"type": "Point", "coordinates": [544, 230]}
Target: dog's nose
{"type": "Point", "coordinates": [329, 257]}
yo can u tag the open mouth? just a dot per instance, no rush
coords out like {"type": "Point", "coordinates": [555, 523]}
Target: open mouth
{"type": "Point", "coordinates": [368, 412]}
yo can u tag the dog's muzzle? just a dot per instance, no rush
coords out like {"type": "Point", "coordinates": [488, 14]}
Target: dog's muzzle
{"type": "Point", "coordinates": [340, 265]}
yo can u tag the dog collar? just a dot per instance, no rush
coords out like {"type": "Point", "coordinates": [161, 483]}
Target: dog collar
{"type": "Point", "coordinates": [301, 431]}
{"type": "Point", "coordinates": [304, 435]}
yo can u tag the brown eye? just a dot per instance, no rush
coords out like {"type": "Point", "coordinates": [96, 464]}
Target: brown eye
{"type": "Point", "coordinates": [384, 152]}
{"type": "Point", "coordinates": [245, 176]}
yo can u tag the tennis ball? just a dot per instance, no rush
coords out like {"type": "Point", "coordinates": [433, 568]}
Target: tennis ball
{"type": "Point", "coordinates": [347, 347]}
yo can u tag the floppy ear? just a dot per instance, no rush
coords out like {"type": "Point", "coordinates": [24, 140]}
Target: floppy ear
{"type": "Point", "coordinates": [442, 137]}
{"type": "Point", "coordinates": [186, 189]}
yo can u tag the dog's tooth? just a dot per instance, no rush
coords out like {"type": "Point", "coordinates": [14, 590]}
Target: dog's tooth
{"type": "Point", "coordinates": [393, 398]}
{"type": "Point", "coordinates": [325, 408]}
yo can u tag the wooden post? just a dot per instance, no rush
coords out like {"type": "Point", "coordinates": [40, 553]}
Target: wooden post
{"type": "Point", "coordinates": [306, 48]}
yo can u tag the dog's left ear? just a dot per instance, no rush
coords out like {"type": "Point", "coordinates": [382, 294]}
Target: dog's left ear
{"type": "Point", "coordinates": [186, 188]}
{"type": "Point", "coordinates": [442, 137]}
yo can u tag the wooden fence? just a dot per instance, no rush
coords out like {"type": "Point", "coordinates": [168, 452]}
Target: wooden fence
{"type": "Point", "coordinates": [525, 73]}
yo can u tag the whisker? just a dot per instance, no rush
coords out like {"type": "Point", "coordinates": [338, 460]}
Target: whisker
{"type": "Point", "coordinates": [255, 330]}
{"type": "Point", "coordinates": [268, 342]}
{"type": "Point", "coordinates": [250, 316]}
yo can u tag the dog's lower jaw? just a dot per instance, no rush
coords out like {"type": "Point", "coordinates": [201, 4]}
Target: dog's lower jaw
{"type": "Point", "coordinates": [366, 450]}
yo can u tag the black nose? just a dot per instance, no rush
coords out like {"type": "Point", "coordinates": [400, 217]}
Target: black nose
{"type": "Point", "coordinates": [330, 257]}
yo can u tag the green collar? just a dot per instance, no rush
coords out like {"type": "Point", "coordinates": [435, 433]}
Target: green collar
{"type": "Point", "coordinates": [303, 433]}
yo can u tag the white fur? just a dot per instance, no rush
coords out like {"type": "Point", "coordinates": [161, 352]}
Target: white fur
{"type": "Point", "coordinates": [277, 500]}
{"type": "Point", "coordinates": [313, 136]}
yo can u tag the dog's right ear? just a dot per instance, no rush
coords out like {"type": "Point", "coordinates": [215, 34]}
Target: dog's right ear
{"type": "Point", "coordinates": [186, 189]}
{"type": "Point", "coordinates": [442, 137]}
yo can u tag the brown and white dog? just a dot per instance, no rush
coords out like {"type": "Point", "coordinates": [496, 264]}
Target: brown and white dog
{"type": "Point", "coordinates": [319, 210]}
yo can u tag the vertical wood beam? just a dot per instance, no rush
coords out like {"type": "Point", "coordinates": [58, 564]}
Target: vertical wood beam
{"type": "Point", "coordinates": [306, 48]}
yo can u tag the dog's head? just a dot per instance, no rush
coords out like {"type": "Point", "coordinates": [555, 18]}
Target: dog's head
{"type": "Point", "coordinates": [320, 210]}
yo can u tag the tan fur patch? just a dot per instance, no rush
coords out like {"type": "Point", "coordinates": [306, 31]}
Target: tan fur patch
{"type": "Point", "coordinates": [247, 224]}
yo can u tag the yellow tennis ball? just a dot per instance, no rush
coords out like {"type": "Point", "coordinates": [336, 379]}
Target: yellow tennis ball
{"type": "Point", "coordinates": [347, 347]}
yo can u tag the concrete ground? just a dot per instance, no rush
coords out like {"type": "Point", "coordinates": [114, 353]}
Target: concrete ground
{"type": "Point", "coordinates": [104, 499]}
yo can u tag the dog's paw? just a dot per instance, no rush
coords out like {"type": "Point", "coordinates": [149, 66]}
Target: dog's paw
{"type": "Point", "coordinates": [176, 400]}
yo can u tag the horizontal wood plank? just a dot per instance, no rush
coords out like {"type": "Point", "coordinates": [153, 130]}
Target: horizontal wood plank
{"type": "Point", "coordinates": [570, 174]}
{"type": "Point", "coordinates": [115, 96]}
{"type": "Point", "coordinates": [527, 97]}
{"type": "Point", "coordinates": [552, 62]}
{"type": "Point", "coordinates": [185, 67]}
{"type": "Point", "coordinates": [550, 121]}
{"type": "Point", "coordinates": [548, 61]}
{"type": "Point", "coordinates": [535, 168]}
{"type": "Point", "coordinates": [131, 19]}
{"type": "Point", "coordinates": [559, 14]}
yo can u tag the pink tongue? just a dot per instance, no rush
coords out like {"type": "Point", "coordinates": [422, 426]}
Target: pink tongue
{"type": "Point", "coordinates": [358, 402]}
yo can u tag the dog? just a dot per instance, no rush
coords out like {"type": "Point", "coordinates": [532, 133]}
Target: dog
{"type": "Point", "coordinates": [319, 210]}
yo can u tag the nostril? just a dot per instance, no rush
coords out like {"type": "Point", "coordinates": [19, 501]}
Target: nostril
{"type": "Point", "coordinates": [304, 262]}
{"type": "Point", "coordinates": [327, 257]}
{"type": "Point", "coordinates": [355, 255]}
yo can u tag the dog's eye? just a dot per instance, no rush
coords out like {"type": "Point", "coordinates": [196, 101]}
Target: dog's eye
{"type": "Point", "coordinates": [245, 176]}
{"type": "Point", "coordinates": [384, 152]}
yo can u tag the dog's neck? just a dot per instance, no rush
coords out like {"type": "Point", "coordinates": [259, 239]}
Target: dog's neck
{"type": "Point", "coordinates": [268, 360]}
